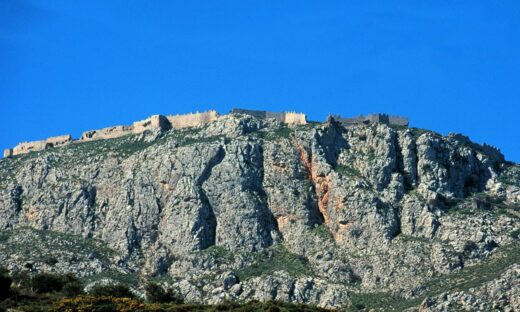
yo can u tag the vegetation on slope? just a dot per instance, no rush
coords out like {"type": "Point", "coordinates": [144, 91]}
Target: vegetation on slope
{"type": "Point", "coordinates": [60, 293]}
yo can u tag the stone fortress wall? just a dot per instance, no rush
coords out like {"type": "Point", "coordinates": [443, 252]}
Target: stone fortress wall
{"type": "Point", "coordinates": [155, 122]}
{"type": "Point", "coordinates": [372, 118]}
{"type": "Point", "coordinates": [192, 120]}
{"type": "Point", "coordinates": [26, 147]}
{"type": "Point", "coordinates": [163, 123]}
{"type": "Point", "coordinates": [485, 148]}
{"type": "Point", "coordinates": [291, 118]}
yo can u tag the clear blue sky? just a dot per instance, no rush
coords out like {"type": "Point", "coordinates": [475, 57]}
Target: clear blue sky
{"type": "Point", "coordinates": [70, 66]}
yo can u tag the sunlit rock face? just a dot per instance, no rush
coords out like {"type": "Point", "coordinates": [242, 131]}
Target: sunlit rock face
{"type": "Point", "coordinates": [244, 208]}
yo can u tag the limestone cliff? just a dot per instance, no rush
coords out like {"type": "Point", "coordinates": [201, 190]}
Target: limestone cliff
{"type": "Point", "coordinates": [245, 208]}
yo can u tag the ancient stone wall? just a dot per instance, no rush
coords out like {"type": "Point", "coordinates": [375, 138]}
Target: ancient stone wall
{"type": "Point", "coordinates": [285, 117]}
{"type": "Point", "coordinates": [276, 115]}
{"type": "Point", "coordinates": [106, 133]}
{"type": "Point", "coordinates": [293, 118]}
{"type": "Point", "coordinates": [378, 118]}
{"type": "Point", "coordinates": [59, 140]}
{"type": "Point", "coordinates": [153, 122]}
{"type": "Point", "coordinates": [398, 121]}
{"type": "Point", "coordinates": [26, 147]}
{"type": "Point", "coordinates": [250, 112]}
{"type": "Point", "coordinates": [196, 119]}
{"type": "Point", "coordinates": [372, 118]}
{"type": "Point", "coordinates": [192, 120]}
{"type": "Point", "coordinates": [491, 150]}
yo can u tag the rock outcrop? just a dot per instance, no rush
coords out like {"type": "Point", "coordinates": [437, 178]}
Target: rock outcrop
{"type": "Point", "coordinates": [243, 208]}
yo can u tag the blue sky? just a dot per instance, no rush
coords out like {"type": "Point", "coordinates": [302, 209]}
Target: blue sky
{"type": "Point", "coordinates": [70, 66]}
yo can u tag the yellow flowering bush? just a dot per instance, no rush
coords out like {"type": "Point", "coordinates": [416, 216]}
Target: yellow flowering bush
{"type": "Point", "coordinates": [98, 304]}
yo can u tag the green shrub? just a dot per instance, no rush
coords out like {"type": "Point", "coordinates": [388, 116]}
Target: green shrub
{"type": "Point", "coordinates": [72, 289]}
{"type": "Point", "coordinates": [22, 280]}
{"type": "Point", "coordinates": [46, 283]}
{"type": "Point", "coordinates": [156, 294]}
{"type": "Point", "coordinates": [274, 259]}
{"type": "Point", "coordinates": [5, 285]}
{"type": "Point", "coordinates": [117, 290]}
{"type": "Point", "coordinates": [347, 171]}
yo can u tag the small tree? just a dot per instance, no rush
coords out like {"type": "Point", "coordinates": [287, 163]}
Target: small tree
{"type": "Point", "coordinates": [5, 285]}
{"type": "Point", "coordinates": [22, 279]}
{"type": "Point", "coordinates": [156, 294]}
{"type": "Point", "coordinates": [72, 289]}
{"type": "Point", "coordinates": [46, 283]}
{"type": "Point", "coordinates": [117, 290]}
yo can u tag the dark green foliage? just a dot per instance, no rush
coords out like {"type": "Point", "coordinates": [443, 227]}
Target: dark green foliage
{"type": "Point", "coordinates": [322, 231]}
{"type": "Point", "coordinates": [22, 279]}
{"type": "Point", "coordinates": [254, 305]}
{"type": "Point", "coordinates": [4, 271]}
{"type": "Point", "coordinates": [188, 140]}
{"type": "Point", "coordinates": [515, 234]}
{"type": "Point", "coordinates": [46, 283]}
{"type": "Point", "coordinates": [5, 284]}
{"type": "Point", "coordinates": [283, 132]}
{"type": "Point", "coordinates": [72, 289]}
{"type": "Point", "coordinates": [275, 259]}
{"type": "Point", "coordinates": [347, 171]}
{"type": "Point", "coordinates": [156, 294]}
{"type": "Point", "coordinates": [417, 132]}
{"type": "Point", "coordinates": [109, 304]}
{"type": "Point", "coordinates": [117, 290]}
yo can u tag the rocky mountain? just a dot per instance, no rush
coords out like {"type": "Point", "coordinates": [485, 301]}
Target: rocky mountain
{"type": "Point", "coordinates": [370, 216]}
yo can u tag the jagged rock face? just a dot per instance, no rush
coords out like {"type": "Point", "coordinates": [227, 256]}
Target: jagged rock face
{"type": "Point", "coordinates": [364, 209]}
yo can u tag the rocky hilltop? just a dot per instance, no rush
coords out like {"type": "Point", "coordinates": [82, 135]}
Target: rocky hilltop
{"type": "Point", "coordinates": [241, 208]}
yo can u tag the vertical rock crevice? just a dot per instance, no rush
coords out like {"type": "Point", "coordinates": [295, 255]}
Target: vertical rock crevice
{"type": "Point", "coordinates": [208, 217]}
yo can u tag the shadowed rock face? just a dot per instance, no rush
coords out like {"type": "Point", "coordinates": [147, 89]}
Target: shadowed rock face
{"type": "Point", "coordinates": [314, 213]}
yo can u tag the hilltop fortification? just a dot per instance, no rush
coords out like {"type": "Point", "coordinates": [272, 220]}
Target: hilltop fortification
{"type": "Point", "coordinates": [164, 123]}
{"type": "Point", "coordinates": [155, 122]}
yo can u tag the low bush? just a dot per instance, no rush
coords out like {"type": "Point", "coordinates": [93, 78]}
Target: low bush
{"type": "Point", "coordinates": [72, 289]}
{"type": "Point", "coordinates": [117, 290]}
{"type": "Point", "coordinates": [98, 304]}
{"type": "Point", "coordinates": [46, 283]}
{"type": "Point", "coordinates": [5, 285]}
{"type": "Point", "coordinates": [156, 294]}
